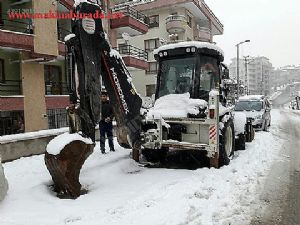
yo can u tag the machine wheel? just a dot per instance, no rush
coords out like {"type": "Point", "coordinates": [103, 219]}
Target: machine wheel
{"type": "Point", "coordinates": [240, 142]}
{"type": "Point", "coordinates": [227, 142]}
{"type": "Point", "coordinates": [154, 155]}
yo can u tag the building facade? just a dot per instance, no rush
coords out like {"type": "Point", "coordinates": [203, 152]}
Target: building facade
{"type": "Point", "coordinates": [254, 74]}
{"type": "Point", "coordinates": [286, 75]}
{"type": "Point", "coordinates": [33, 82]}
{"type": "Point", "coordinates": [177, 20]}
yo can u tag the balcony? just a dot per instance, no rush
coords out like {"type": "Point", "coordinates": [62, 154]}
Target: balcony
{"type": "Point", "coordinates": [133, 57]}
{"type": "Point", "coordinates": [10, 87]}
{"type": "Point", "coordinates": [56, 88]}
{"type": "Point", "coordinates": [202, 34]}
{"type": "Point", "coordinates": [176, 24]}
{"type": "Point", "coordinates": [20, 35]}
{"type": "Point", "coordinates": [132, 22]}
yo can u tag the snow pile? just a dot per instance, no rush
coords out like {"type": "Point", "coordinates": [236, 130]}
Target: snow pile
{"type": "Point", "coordinates": [58, 143]}
{"type": "Point", "coordinates": [275, 95]}
{"type": "Point", "coordinates": [186, 44]}
{"type": "Point", "coordinates": [239, 122]}
{"type": "Point", "coordinates": [251, 97]}
{"type": "Point", "coordinates": [176, 106]}
{"type": "Point", "coordinates": [121, 192]}
{"type": "Point", "coordinates": [3, 183]}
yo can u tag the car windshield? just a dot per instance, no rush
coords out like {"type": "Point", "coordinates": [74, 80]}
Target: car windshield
{"type": "Point", "coordinates": [248, 106]}
{"type": "Point", "coordinates": [176, 76]}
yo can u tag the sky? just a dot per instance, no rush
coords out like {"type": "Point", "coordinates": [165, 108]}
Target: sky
{"type": "Point", "coordinates": [272, 26]}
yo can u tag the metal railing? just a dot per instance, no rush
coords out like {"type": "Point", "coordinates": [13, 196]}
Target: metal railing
{"type": "Point", "coordinates": [25, 26]}
{"type": "Point", "coordinates": [131, 12]}
{"type": "Point", "coordinates": [132, 51]}
{"type": "Point", "coordinates": [10, 87]}
{"type": "Point", "coordinates": [56, 88]}
{"type": "Point", "coordinates": [176, 17]}
{"type": "Point", "coordinates": [57, 118]}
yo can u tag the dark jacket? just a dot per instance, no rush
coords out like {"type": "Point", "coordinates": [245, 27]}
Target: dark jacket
{"type": "Point", "coordinates": [106, 111]}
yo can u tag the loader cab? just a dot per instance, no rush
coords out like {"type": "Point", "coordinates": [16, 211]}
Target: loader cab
{"type": "Point", "coordinates": [192, 67]}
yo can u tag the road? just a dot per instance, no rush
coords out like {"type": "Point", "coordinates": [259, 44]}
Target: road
{"type": "Point", "coordinates": [281, 196]}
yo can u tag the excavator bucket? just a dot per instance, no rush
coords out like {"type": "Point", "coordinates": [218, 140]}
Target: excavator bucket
{"type": "Point", "coordinates": [83, 60]}
{"type": "Point", "coordinates": [65, 168]}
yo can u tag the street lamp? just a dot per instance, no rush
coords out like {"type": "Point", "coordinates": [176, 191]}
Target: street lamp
{"type": "Point", "coordinates": [238, 65]}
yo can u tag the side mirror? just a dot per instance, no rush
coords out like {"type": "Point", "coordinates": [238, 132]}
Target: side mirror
{"type": "Point", "coordinates": [226, 74]}
{"type": "Point", "coordinates": [225, 71]}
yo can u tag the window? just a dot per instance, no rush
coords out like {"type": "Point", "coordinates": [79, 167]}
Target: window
{"type": "Point", "coordinates": [151, 44]}
{"type": "Point", "coordinates": [177, 76]}
{"type": "Point", "coordinates": [150, 90]}
{"type": "Point", "coordinates": [189, 21]}
{"type": "Point", "coordinates": [53, 80]}
{"type": "Point", "coordinates": [154, 21]}
{"type": "Point", "coordinates": [153, 67]}
{"type": "Point", "coordinates": [2, 76]}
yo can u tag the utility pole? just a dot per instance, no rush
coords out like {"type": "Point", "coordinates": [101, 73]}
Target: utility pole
{"type": "Point", "coordinates": [238, 65]}
{"type": "Point", "coordinates": [248, 60]}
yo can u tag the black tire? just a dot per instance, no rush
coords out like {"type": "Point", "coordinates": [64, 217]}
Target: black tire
{"type": "Point", "coordinates": [240, 142]}
{"type": "Point", "coordinates": [227, 134]}
{"type": "Point", "coordinates": [155, 155]}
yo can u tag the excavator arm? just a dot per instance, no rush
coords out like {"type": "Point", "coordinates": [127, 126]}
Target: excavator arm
{"type": "Point", "coordinates": [90, 58]}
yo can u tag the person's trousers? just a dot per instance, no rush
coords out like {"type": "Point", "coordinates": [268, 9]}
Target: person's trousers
{"type": "Point", "coordinates": [106, 129]}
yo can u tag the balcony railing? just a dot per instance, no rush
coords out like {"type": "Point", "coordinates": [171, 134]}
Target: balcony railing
{"type": "Point", "coordinates": [132, 51]}
{"type": "Point", "coordinates": [24, 26]}
{"type": "Point", "coordinates": [202, 33]}
{"type": "Point", "coordinates": [56, 88]}
{"type": "Point", "coordinates": [176, 17]}
{"type": "Point", "coordinates": [131, 12]}
{"type": "Point", "coordinates": [10, 87]}
{"type": "Point", "coordinates": [176, 24]}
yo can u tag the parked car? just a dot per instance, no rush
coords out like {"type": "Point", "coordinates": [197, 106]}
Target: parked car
{"type": "Point", "coordinates": [256, 107]}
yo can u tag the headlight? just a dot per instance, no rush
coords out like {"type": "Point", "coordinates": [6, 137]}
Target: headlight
{"type": "Point", "coordinates": [258, 117]}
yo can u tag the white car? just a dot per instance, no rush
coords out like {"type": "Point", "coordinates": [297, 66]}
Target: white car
{"type": "Point", "coordinates": [256, 107]}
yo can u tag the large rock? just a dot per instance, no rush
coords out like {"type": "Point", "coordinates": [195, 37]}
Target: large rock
{"type": "Point", "coordinates": [3, 183]}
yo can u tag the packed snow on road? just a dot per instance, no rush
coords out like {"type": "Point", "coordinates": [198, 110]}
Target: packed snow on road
{"type": "Point", "coordinates": [122, 192]}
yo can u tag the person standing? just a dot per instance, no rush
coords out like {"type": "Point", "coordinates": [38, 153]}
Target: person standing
{"type": "Point", "coordinates": [105, 125]}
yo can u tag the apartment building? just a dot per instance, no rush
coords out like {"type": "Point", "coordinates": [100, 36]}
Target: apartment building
{"type": "Point", "coordinates": [33, 82]}
{"type": "Point", "coordinates": [254, 73]}
{"type": "Point", "coordinates": [176, 20]}
{"type": "Point", "coordinates": [286, 75]}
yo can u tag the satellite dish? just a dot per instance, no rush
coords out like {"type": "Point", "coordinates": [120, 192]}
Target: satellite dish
{"type": "Point", "coordinates": [125, 36]}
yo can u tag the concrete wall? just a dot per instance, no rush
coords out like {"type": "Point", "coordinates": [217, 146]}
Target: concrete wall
{"type": "Point", "coordinates": [3, 183]}
{"type": "Point", "coordinates": [34, 96]}
{"type": "Point", "coordinates": [22, 147]}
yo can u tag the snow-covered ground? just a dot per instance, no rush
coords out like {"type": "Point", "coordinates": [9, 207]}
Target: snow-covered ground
{"type": "Point", "coordinates": [121, 192]}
